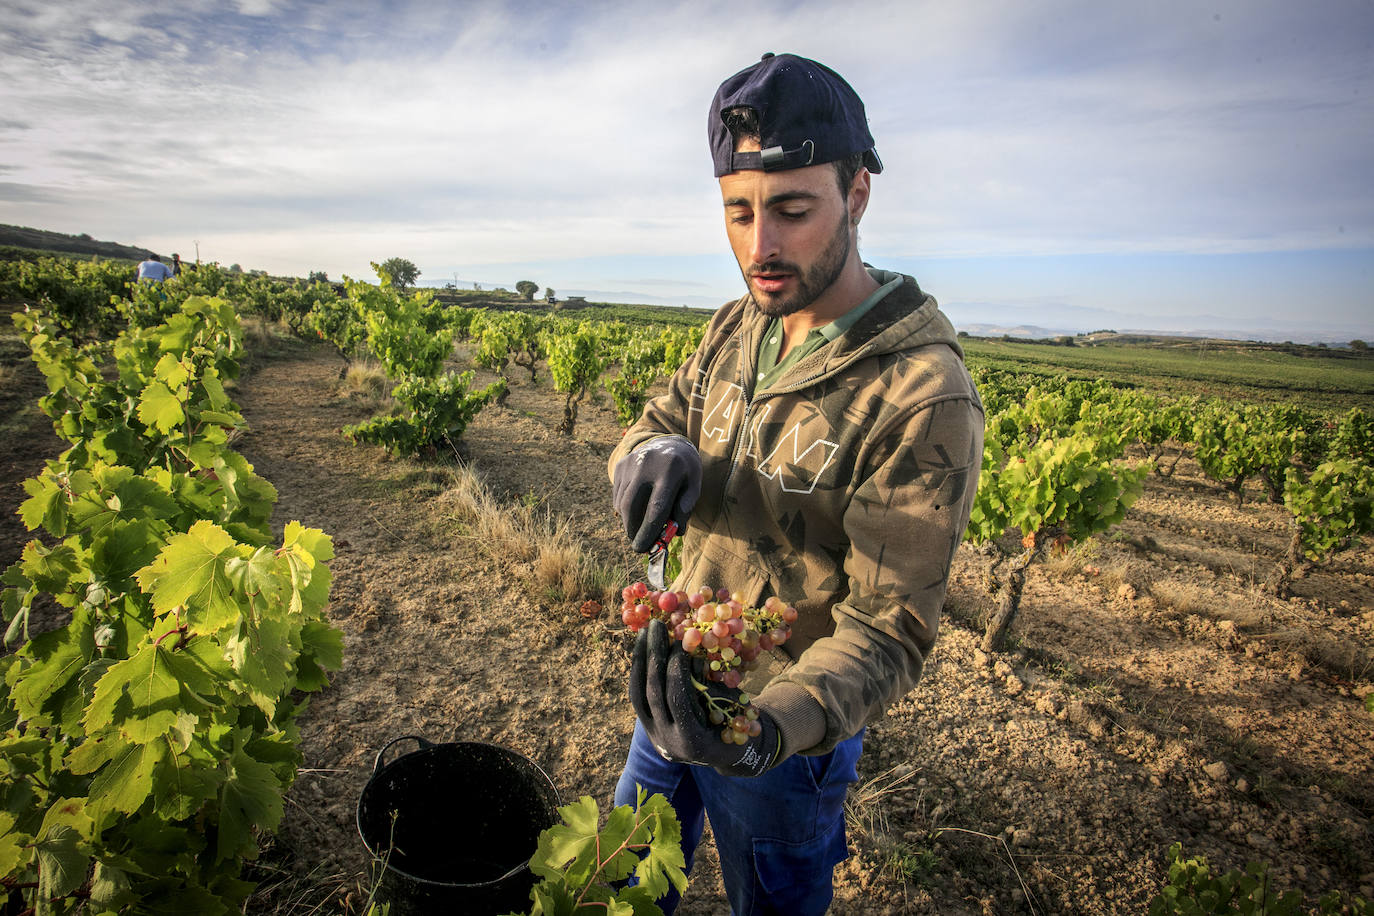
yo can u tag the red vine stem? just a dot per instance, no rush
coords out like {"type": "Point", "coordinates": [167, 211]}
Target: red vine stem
{"type": "Point", "coordinates": [601, 863]}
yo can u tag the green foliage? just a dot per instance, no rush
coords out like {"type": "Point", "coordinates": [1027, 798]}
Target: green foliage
{"type": "Point", "coordinates": [1153, 421]}
{"type": "Point", "coordinates": [527, 289]}
{"type": "Point", "coordinates": [679, 343]}
{"type": "Point", "coordinates": [1061, 487]}
{"type": "Point", "coordinates": [409, 335]}
{"type": "Point", "coordinates": [401, 272]}
{"type": "Point", "coordinates": [527, 336]}
{"type": "Point", "coordinates": [461, 319]}
{"type": "Point", "coordinates": [1054, 473]}
{"type": "Point", "coordinates": [580, 868]}
{"type": "Point", "coordinates": [493, 350]}
{"type": "Point", "coordinates": [1353, 437]}
{"type": "Point", "coordinates": [412, 336]}
{"type": "Point", "coordinates": [338, 322]}
{"type": "Point", "coordinates": [436, 411]}
{"type": "Point", "coordinates": [149, 741]}
{"type": "Point", "coordinates": [1194, 889]}
{"type": "Point", "coordinates": [163, 406]}
{"type": "Point", "coordinates": [77, 293]}
{"type": "Point", "coordinates": [1331, 507]}
{"type": "Point", "coordinates": [287, 301]}
{"type": "Point", "coordinates": [1233, 443]}
{"type": "Point", "coordinates": [576, 360]}
{"type": "Point", "coordinates": [641, 360]}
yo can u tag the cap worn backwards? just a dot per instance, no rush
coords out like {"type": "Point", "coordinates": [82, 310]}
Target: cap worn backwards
{"type": "Point", "coordinates": [807, 113]}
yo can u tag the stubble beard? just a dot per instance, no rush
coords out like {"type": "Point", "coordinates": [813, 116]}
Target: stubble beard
{"type": "Point", "coordinates": [811, 283]}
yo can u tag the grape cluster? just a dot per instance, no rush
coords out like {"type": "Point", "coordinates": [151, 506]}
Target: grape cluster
{"type": "Point", "coordinates": [721, 633]}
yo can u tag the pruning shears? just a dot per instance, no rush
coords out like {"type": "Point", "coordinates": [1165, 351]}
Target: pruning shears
{"type": "Point", "coordinates": [658, 555]}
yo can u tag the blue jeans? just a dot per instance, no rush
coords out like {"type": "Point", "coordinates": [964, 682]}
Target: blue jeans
{"type": "Point", "coordinates": [779, 835]}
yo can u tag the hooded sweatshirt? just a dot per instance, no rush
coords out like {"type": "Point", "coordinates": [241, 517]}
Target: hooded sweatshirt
{"type": "Point", "coordinates": [843, 488]}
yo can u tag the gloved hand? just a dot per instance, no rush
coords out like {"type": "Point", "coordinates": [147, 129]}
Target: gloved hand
{"type": "Point", "coordinates": [658, 481]}
{"type": "Point", "coordinates": [675, 719]}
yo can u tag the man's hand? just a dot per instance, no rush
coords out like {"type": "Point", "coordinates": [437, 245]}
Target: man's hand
{"type": "Point", "coordinates": [658, 481]}
{"type": "Point", "coordinates": [665, 699]}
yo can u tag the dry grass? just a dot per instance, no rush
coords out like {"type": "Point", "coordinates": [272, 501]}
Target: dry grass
{"type": "Point", "coordinates": [1071, 562]}
{"type": "Point", "coordinates": [1326, 651]}
{"type": "Point", "coordinates": [520, 532]}
{"type": "Point", "coordinates": [561, 565]}
{"type": "Point", "coordinates": [1183, 598]}
{"type": "Point", "coordinates": [261, 334]}
{"type": "Point", "coordinates": [863, 806]}
{"type": "Point", "coordinates": [365, 379]}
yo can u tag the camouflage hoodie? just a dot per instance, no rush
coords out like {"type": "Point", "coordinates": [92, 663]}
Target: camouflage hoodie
{"type": "Point", "coordinates": [844, 489]}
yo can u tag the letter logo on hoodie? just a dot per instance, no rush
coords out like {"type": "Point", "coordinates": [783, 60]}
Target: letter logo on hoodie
{"type": "Point", "coordinates": [719, 418]}
{"type": "Point", "coordinates": [795, 467]}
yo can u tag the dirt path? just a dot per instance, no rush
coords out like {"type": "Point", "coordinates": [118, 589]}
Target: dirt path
{"type": "Point", "coordinates": [442, 640]}
{"type": "Point", "coordinates": [26, 436]}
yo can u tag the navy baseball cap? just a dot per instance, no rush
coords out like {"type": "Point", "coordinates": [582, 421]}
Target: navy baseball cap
{"type": "Point", "coordinates": [808, 115]}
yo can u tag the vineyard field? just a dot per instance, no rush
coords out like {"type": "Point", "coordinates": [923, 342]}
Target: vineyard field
{"type": "Point", "coordinates": [1205, 368]}
{"type": "Point", "coordinates": [1154, 689]}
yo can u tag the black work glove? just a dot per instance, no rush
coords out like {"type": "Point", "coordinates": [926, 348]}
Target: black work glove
{"type": "Point", "coordinates": [658, 481]}
{"type": "Point", "coordinates": [675, 718]}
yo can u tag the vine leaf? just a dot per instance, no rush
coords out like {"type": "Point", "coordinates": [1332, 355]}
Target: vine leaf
{"type": "Point", "coordinates": [127, 779]}
{"type": "Point", "coordinates": [251, 798]}
{"type": "Point", "coordinates": [158, 407]}
{"type": "Point", "coordinates": [579, 864]}
{"type": "Point", "coordinates": [61, 863]}
{"type": "Point", "coordinates": [144, 695]}
{"type": "Point", "coordinates": [191, 570]}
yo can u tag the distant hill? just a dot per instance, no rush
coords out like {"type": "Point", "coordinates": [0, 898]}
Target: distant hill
{"type": "Point", "coordinates": [47, 241]}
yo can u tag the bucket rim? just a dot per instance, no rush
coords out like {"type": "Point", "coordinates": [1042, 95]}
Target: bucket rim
{"type": "Point", "coordinates": [427, 747]}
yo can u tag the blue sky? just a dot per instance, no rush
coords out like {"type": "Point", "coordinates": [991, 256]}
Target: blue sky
{"type": "Point", "coordinates": [1068, 164]}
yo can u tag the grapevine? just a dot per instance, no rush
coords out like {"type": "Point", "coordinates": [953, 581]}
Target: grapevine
{"type": "Point", "coordinates": [148, 742]}
{"type": "Point", "coordinates": [723, 635]}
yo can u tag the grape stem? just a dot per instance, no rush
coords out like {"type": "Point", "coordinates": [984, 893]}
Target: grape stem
{"type": "Point", "coordinates": [727, 707]}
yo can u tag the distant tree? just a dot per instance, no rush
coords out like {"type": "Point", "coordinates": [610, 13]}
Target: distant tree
{"type": "Point", "coordinates": [1359, 346]}
{"type": "Point", "coordinates": [548, 294]}
{"type": "Point", "coordinates": [235, 269]}
{"type": "Point", "coordinates": [403, 273]}
{"type": "Point", "coordinates": [527, 289]}
{"type": "Point", "coordinates": [318, 276]}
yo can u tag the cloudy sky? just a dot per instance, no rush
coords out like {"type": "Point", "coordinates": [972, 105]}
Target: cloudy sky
{"type": "Point", "coordinates": [1072, 164]}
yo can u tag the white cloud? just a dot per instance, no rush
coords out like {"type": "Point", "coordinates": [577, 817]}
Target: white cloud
{"type": "Point", "coordinates": [333, 133]}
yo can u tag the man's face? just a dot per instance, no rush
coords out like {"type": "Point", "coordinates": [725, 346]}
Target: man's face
{"type": "Point", "coordinates": [790, 232]}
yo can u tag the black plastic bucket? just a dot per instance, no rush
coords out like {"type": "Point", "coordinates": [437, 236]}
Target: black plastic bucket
{"type": "Point", "coordinates": [467, 818]}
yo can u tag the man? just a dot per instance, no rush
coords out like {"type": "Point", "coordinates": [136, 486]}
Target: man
{"type": "Point", "coordinates": [822, 445]}
{"type": "Point", "coordinates": [153, 270]}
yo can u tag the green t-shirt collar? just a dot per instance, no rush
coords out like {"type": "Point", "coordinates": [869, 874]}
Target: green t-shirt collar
{"type": "Point", "coordinates": [770, 370]}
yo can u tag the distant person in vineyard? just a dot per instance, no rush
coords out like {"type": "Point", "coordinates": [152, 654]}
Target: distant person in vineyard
{"type": "Point", "coordinates": [176, 264]}
{"type": "Point", "coordinates": [822, 445]}
{"type": "Point", "coordinates": [153, 270]}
